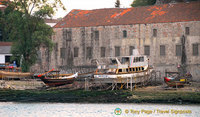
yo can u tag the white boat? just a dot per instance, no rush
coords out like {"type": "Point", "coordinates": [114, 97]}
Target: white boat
{"type": "Point", "coordinates": [132, 66]}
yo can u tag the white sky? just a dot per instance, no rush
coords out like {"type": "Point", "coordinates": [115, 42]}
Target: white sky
{"type": "Point", "coordinates": [89, 4]}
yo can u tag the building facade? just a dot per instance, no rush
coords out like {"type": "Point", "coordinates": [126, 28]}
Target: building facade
{"type": "Point", "coordinates": [159, 31]}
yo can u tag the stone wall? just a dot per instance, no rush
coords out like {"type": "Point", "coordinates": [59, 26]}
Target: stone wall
{"type": "Point", "coordinates": [138, 35]}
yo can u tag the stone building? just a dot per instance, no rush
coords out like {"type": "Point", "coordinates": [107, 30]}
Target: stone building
{"type": "Point", "coordinates": [159, 31]}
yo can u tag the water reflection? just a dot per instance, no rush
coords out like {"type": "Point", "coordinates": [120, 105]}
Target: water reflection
{"type": "Point", "coordinates": [10, 109]}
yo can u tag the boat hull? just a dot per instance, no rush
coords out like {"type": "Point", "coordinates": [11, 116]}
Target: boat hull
{"type": "Point", "coordinates": [175, 83]}
{"type": "Point", "coordinates": [57, 82]}
{"type": "Point", "coordinates": [6, 74]}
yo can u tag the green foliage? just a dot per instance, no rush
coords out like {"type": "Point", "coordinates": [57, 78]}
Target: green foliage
{"type": "Point", "coordinates": [137, 3]}
{"type": "Point", "coordinates": [27, 29]}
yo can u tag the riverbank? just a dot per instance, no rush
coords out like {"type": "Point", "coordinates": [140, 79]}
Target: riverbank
{"type": "Point", "coordinates": [116, 96]}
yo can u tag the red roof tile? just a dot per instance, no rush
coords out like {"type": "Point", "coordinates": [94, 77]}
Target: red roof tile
{"type": "Point", "coordinates": [137, 15]}
{"type": "Point", "coordinates": [5, 43]}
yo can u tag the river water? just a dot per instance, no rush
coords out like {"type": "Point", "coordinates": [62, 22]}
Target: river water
{"type": "Point", "coordinates": [12, 109]}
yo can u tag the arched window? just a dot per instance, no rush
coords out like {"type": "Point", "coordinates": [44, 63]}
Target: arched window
{"type": "Point", "coordinates": [124, 33]}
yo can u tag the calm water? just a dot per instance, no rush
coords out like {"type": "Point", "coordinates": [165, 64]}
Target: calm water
{"type": "Point", "coordinates": [10, 109]}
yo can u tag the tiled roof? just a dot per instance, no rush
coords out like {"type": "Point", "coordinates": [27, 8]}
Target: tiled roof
{"type": "Point", "coordinates": [5, 47]}
{"type": "Point", "coordinates": [5, 43]}
{"type": "Point", "coordinates": [178, 12]}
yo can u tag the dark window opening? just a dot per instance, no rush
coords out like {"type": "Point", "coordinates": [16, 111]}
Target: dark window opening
{"type": "Point", "coordinates": [142, 68]}
{"type": "Point", "coordinates": [162, 50]}
{"type": "Point", "coordinates": [178, 50]}
{"type": "Point", "coordinates": [195, 49]}
{"type": "Point", "coordinates": [187, 30]}
{"type": "Point", "coordinates": [154, 32]}
{"type": "Point", "coordinates": [120, 70]}
{"type": "Point", "coordinates": [7, 59]}
{"type": "Point", "coordinates": [133, 69]}
{"type": "Point", "coordinates": [67, 35]}
{"type": "Point", "coordinates": [117, 51]}
{"type": "Point", "coordinates": [62, 52]}
{"type": "Point", "coordinates": [124, 33]}
{"type": "Point", "coordinates": [127, 70]}
{"type": "Point", "coordinates": [131, 50]}
{"type": "Point", "coordinates": [130, 69]}
{"type": "Point", "coordinates": [76, 49]}
{"type": "Point", "coordinates": [89, 53]}
{"type": "Point", "coordinates": [103, 51]}
{"type": "Point", "coordinates": [147, 50]}
{"type": "Point", "coordinates": [96, 35]}
{"type": "Point", "coordinates": [136, 69]}
{"type": "Point", "coordinates": [141, 59]}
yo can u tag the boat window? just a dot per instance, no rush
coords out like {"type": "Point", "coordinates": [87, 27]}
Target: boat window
{"type": "Point", "coordinates": [139, 68]}
{"type": "Point", "coordinates": [141, 59]}
{"type": "Point", "coordinates": [127, 70]}
{"type": "Point", "coordinates": [113, 61]}
{"type": "Point", "coordinates": [125, 59]}
{"type": "Point", "coordinates": [130, 69]}
{"type": "Point", "coordinates": [120, 70]}
{"type": "Point", "coordinates": [137, 59]}
{"type": "Point", "coordinates": [133, 69]}
{"type": "Point", "coordinates": [136, 69]}
{"type": "Point", "coordinates": [142, 68]}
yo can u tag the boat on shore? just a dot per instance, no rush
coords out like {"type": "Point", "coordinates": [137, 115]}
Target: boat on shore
{"type": "Point", "coordinates": [174, 79]}
{"type": "Point", "coordinates": [52, 80]}
{"type": "Point", "coordinates": [13, 72]}
{"type": "Point", "coordinates": [123, 67]}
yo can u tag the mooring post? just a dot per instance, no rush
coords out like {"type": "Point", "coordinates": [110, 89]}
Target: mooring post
{"type": "Point", "coordinates": [127, 83]}
{"type": "Point", "coordinates": [85, 84]}
{"type": "Point", "coordinates": [131, 83]}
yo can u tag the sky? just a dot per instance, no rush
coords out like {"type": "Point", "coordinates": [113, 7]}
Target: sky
{"type": "Point", "coordinates": [88, 5]}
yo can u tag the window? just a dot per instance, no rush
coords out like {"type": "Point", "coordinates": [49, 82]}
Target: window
{"type": "Point", "coordinates": [103, 51]}
{"type": "Point", "coordinates": [67, 35]}
{"type": "Point", "coordinates": [147, 50]}
{"type": "Point", "coordinates": [120, 70]}
{"type": "Point", "coordinates": [162, 50]}
{"type": "Point", "coordinates": [187, 30]}
{"type": "Point", "coordinates": [154, 32]}
{"type": "Point", "coordinates": [130, 69]}
{"type": "Point", "coordinates": [96, 35]}
{"type": "Point", "coordinates": [178, 50]}
{"type": "Point", "coordinates": [39, 56]}
{"type": "Point", "coordinates": [133, 69]}
{"type": "Point", "coordinates": [131, 50]}
{"type": "Point", "coordinates": [62, 52]}
{"type": "Point", "coordinates": [89, 53]}
{"type": "Point", "coordinates": [124, 33]}
{"type": "Point", "coordinates": [195, 49]}
{"type": "Point", "coordinates": [76, 51]}
{"type": "Point", "coordinates": [117, 51]}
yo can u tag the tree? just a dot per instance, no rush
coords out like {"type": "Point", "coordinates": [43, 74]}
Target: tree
{"type": "Point", "coordinates": [117, 4]}
{"type": "Point", "coordinates": [137, 3]}
{"type": "Point", "coordinates": [24, 24]}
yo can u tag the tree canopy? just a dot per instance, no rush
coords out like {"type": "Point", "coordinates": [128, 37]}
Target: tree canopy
{"type": "Point", "coordinates": [23, 22]}
{"type": "Point", "coordinates": [137, 3]}
{"type": "Point", "coordinates": [117, 4]}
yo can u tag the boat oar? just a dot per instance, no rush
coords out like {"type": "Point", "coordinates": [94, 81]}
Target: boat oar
{"type": "Point", "coordinates": [45, 73]}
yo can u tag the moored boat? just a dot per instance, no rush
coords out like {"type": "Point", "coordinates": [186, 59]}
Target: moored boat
{"type": "Point", "coordinates": [123, 67]}
{"type": "Point", "coordinates": [57, 80]}
{"type": "Point", "coordinates": [174, 79]}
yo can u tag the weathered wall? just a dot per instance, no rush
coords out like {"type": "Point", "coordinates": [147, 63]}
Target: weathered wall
{"type": "Point", "coordinates": [138, 35]}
